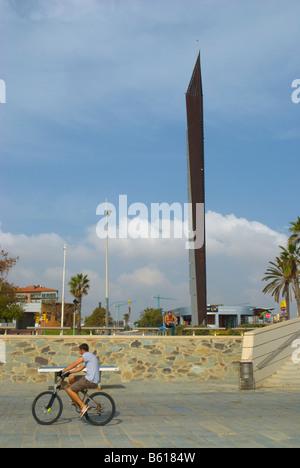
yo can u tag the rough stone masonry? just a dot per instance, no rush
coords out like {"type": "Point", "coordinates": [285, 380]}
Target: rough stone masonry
{"type": "Point", "coordinates": [199, 358]}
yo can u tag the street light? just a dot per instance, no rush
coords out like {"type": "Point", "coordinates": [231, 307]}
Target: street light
{"type": "Point", "coordinates": [63, 292]}
{"type": "Point", "coordinates": [107, 213]}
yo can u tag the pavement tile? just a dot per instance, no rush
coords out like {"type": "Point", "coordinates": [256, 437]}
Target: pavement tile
{"type": "Point", "coordinates": [182, 415]}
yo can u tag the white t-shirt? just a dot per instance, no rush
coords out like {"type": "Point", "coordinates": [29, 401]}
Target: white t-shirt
{"type": "Point", "coordinates": [92, 367]}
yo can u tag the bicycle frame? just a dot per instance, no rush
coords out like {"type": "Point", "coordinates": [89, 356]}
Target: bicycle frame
{"type": "Point", "coordinates": [86, 398]}
{"type": "Point", "coordinates": [57, 388]}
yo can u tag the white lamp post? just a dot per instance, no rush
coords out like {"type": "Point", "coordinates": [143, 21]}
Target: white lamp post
{"type": "Point", "coordinates": [63, 292]}
{"type": "Point", "coordinates": [107, 213]}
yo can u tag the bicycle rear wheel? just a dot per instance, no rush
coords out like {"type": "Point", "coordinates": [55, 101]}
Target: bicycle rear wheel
{"type": "Point", "coordinates": [101, 410]}
{"type": "Point", "coordinates": [47, 408]}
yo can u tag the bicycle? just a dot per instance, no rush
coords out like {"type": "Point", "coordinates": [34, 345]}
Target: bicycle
{"type": "Point", "coordinates": [47, 407]}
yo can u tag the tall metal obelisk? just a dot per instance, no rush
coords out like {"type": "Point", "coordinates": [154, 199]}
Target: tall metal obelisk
{"type": "Point", "coordinates": [196, 187]}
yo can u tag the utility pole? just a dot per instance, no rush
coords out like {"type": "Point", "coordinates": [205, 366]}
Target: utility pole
{"type": "Point", "coordinates": [63, 292]}
{"type": "Point", "coordinates": [107, 213]}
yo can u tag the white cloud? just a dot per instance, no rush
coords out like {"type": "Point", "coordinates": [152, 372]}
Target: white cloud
{"type": "Point", "coordinates": [241, 239]}
{"type": "Point", "coordinates": [143, 277]}
{"type": "Point", "coordinates": [238, 253]}
{"type": "Point", "coordinates": [36, 248]}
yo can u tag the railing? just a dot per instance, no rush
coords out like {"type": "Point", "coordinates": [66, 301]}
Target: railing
{"type": "Point", "coordinates": [6, 328]}
{"type": "Point", "coordinates": [216, 330]}
{"type": "Point", "coordinates": [62, 329]}
{"type": "Point", "coordinates": [151, 329]}
{"type": "Point", "coordinates": [111, 329]}
{"type": "Point", "coordinates": [207, 330]}
{"type": "Point", "coordinates": [38, 329]}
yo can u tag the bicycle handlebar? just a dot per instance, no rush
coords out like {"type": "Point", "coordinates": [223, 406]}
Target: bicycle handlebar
{"type": "Point", "coordinates": [63, 376]}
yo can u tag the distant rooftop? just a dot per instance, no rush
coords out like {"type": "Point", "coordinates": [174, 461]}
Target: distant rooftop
{"type": "Point", "coordinates": [34, 288]}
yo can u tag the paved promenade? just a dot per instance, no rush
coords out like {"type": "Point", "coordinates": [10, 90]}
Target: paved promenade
{"type": "Point", "coordinates": [160, 415]}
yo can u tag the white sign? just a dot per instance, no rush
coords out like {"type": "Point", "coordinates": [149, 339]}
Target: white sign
{"type": "Point", "coordinates": [2, 92]}
{"type": "Point", "coordinates": [2, 352]}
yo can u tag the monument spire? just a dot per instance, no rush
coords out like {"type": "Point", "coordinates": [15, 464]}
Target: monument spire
{"type": "Point", "coordinates": [196, 186]}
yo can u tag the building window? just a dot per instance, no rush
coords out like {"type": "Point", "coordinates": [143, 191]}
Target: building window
{"type": "Point", "coordinates": [211, 319]}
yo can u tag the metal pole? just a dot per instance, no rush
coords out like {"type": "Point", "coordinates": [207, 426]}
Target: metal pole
{"type": "Point", "coordinates": [63, 291]}
{"type": "Point", "coordinates": [118, 315]}
{"type": "Point", "coordinates": [75, 302]}
{"type": "Point", "coordinates": [107, 213]}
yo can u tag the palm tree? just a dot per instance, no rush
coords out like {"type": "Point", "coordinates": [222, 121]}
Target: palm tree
{"type": "Point", "coordinates": [291, 256]}
{"type": "Point", "coordinates": [79, 286]}
{"type": "Point", "coordinates": [284, 276]}
{"type": "Point", "coordinates": [295, 232]}
{"type": "Point", "coordinates": [280, 276]}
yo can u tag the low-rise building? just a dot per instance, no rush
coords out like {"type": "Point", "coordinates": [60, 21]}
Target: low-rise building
{"type": "Point", "coordinates": [222, 316]}
{"type": "Point", "coordinates": [32, 298]}
{"type": "Point", "coordinates": [37, 294]}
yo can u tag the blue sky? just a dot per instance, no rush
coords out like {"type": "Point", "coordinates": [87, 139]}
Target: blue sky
{"type": "Point", "coordinates": [95, 107]}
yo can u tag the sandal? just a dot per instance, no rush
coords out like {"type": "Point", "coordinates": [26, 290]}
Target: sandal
{"type": "Point", "coordinates": [83, 411]}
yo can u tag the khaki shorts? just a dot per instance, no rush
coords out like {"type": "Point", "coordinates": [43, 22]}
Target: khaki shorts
{"type": "Point", "coordinates": [81, 383]}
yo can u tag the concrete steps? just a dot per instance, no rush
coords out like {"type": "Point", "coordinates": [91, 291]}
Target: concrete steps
{"type": "Point", "coordinates": [288, 376]}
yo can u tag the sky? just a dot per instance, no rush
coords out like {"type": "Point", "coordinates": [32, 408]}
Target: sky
{"type": "Point", "coordinates": [95, 108]}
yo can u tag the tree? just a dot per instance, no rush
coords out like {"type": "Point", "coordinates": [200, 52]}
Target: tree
{"type": "Point", "coordinates": [150, 318]}
{"type": "Point", "coordinates": [284, 276]}
{"type": "Point", "coordinates": [53, 308]}
{"type": "Point", "coordinates": [6, 264]}
{"type": "Point", "coordinates": [294, 255]}
{"type": "Point", "coordinates": [284, 272]}
{"type": "Point", "coordinates": [10, 308]}
{"type": "Point", "coordinates": [98, 318]}
{"type": "Point", "coordinates": [79, 286]}
{"type": "Point", "coordinates": [291, 256]}
{"type": "Point", "coordinates": [280, 279]}
{"type": "Point", "coordinates": [295, 232]}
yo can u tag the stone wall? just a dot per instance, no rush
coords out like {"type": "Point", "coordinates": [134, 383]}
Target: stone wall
{"type": "Point", "coordinates": [199, 358]}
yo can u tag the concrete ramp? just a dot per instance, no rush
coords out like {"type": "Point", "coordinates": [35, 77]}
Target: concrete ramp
{"type": "Point", "coordinates": [267, 350]}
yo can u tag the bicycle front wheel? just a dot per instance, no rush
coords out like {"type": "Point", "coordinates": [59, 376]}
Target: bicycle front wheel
{"type": "Point", "coordinates": [101, 410]}
{"type": "Point", "coordinates": [47, 408]}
